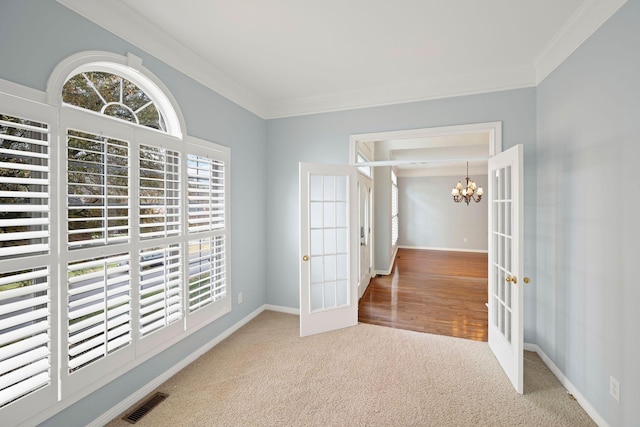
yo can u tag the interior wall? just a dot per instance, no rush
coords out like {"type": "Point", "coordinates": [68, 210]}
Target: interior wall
{"type": "Point", "coordinates": [324, 138]}
{"type": "Point", "coordinates": [587, 154]}
{"type": "Point", "coordinates": [36, 35]}
{"type": "Point", "coordinates": [429, 218]}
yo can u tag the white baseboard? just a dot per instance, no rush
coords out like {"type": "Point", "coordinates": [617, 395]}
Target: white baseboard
{"type": "Point", "coordinates": [156, 382]}
{"type": "Point", "coordinates": [482, 251]}
{"type": "Point", "coordinates": [388, 271]}
{"type": "Point", "coordinates": [282, 309]}
{"type": "Point", "coordinates": [588, 408]}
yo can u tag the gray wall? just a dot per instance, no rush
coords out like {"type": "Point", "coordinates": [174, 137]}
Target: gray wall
{"type": "Point", "coordinates": [429, 218]}
{"type": "Point", "coordinates": [35, 35]}
{"type": "Point", "coordinates": [587, 158]}
{"type": "Point", "coordinates": [324, 138]}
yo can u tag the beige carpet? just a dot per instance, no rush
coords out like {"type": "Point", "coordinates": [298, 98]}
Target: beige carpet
{"type": "Point", "coordinates": [266, 375]}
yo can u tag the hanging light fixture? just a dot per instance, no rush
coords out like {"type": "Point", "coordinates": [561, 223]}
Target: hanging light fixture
{"type": "Point", "coordinates": [471, 191]}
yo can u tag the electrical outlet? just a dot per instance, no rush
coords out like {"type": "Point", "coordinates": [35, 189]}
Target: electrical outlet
{"type": "Point", "coordinates": [466, 240]}
{"type": "Point", "coordinates": [239, 297]}
{"type": "Point", "coordinates": [614, 388]}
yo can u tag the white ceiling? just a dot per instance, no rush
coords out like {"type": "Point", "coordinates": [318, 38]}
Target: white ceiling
{"type": "Point", "coordinates": [289, 57]}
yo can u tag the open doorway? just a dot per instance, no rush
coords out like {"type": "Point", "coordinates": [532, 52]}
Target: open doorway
{"type": "Point", "coordinates": [435, 262]}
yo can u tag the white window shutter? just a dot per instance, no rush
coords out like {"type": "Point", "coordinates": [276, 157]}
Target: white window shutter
{"type": "Point", "coordinates": [206, 199]}
{"type": "Point", "coordinates": [98, 308]}
{"type": "Point", "coordinates": [161, 296]}
{"type": "Point", "coordinates": [24, 187]}
{"type": "Point", "coordinates": [97, 190]}
{"type": "Point", "coordinates": [25, 327]}
{"type": "Point", "coordinates": [160, 214]}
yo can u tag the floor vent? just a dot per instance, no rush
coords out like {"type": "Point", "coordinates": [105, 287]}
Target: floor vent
{"type": "Point", "coordinates": [144, 408]}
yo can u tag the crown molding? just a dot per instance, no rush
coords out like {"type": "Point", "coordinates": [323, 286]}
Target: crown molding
{"type": "Point", "coordinates": [437, 88]}
{"type": "Point", "coordinates": [579, 27]}
{"type": "Point", "coordinates": [119, 19]}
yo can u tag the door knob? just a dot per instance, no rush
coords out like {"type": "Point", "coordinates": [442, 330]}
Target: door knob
{"type": "Point", "coordinates": [305, 258]}
{"type": "Point", "coordinates": [512, 279]}
{"type": "Point", "coordinates": [526, 280]}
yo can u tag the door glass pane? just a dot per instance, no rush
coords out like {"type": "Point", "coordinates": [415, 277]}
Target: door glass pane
{"type": "Point", "coordinates": [341, 267]}
{"type": "Point", "coordinates": [316, 297]}
{"type": "Point", "coordinates": [507, 329]}
{"type": "Point", "coordinates": [330, 267]}
{"type": "Point", "coordinates": [329, 214]}
{"type": "Point", "coordinates": [330, 294]}
{"type": "Point", "coordinates": [507, 183]}
{"type": "Point", "coordinates": [341, 188]}
{"type": "Point", "coordinates": [316, 269]}
{"type": "Point", "coordinates": [315, 188]}
{"type": "Point", "coordinates": [507, 218]}
{"type": "Point", "coordinates": [341, 240]}
{"type": "Point", "coordinates": [507, 294]}
{"type": "Point", "coordinates": [316, 242]}
{"type": "Point", "coordinates": [329, 188]}
{"type": "Point", "coordinates": [341, 214]}
{"type": "Point", "coordinates": [342, 292]}
{"type": "Point", "coordinates": [315, 215]}
{"type": "Point", "coordinates": [330, 241]}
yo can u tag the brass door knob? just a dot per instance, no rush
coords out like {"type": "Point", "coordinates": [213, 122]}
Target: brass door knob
{"type": "Point", "coordinates": [305, 258]}
{"type": "Point", "coordinates": [512, 279]}
{"type": "Point", "coordinates": [527, 280]}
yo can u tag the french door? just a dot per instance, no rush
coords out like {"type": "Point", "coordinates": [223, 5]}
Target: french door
{"type": "Point", "coordinates": [506, 296]}
{"type": "Point", "coordinates": [328, 247]}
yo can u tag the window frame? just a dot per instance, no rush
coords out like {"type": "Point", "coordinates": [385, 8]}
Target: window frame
{"type": "Point", "coordinates": [20, 101]}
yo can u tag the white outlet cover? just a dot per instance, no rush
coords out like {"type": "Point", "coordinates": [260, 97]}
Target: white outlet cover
{"type": "Point", "coordinates": [614, 388]}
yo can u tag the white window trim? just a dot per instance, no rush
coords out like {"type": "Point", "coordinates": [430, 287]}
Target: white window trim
{"type": "Point", "coordinates": [131, 68]}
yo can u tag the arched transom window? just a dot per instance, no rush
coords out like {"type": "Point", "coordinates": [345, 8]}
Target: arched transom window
{"type": "Point", "coordinates": [115, 96]}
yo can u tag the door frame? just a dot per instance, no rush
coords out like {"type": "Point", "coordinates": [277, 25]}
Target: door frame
{"type": "Point", "coordinates": [493, 128]}
{"type": "Point", "coordinates": [369, 181]}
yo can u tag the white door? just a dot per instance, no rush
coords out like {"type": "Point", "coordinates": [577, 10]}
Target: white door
{"type": "Point", "coordinates": [328, 247]}
{"type": "Point", "coordinates": [364, 193]}
{"type": "Point", "coordinates": [506, 296]}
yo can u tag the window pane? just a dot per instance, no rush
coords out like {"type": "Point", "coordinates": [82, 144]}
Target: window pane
{"type": "Point", "coordinates": [114, 96]}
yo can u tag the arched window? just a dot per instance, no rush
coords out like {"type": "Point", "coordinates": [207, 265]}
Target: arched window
{"type": "Point", "coordinates": [114, 96]}
{"type": "Point", "coordinates": [115, 231]}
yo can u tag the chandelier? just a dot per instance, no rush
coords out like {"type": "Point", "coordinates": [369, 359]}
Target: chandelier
{"type": "Point", "coordinates": [471, 191]}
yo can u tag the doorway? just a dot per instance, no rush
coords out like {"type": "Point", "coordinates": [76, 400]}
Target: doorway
{"type": "Point", "coordinates": [419, 156]}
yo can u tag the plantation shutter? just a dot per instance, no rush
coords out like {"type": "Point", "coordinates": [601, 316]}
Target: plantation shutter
{"type": "Point", "coordinates": [97, 189]}
{"type": "Point", "coordinates": [98, 308]}
{"type": "Point", "coordinates": [159, 192]}
{"type": "Point", "coordinates": [25, 364]}
{"type": "Point", "coordinates": [24, 187]}
{"type": "Point", "coordinates": [161, 293]}
{"type": "Point", "coordinates": [207, 274]}
{"type": "Point", "coordinates": [27, 350]}
{"type": "Point", "coordinates": [206, 200]}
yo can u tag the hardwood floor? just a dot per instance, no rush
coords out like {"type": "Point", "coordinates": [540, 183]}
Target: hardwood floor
{"type": "Point", "coordinates": [438, 292]}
